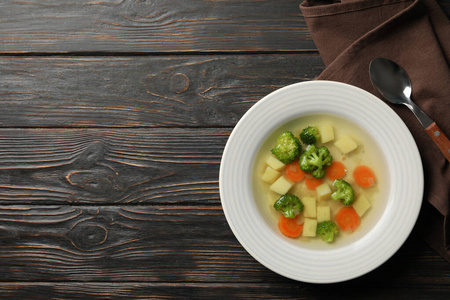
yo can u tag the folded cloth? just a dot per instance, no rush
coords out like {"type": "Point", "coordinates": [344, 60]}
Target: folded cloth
{"type": "Point", "coordinates": [415, 34]}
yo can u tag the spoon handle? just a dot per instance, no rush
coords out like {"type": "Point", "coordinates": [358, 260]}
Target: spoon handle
{"type": "Point", "coordinates": [439, 139]}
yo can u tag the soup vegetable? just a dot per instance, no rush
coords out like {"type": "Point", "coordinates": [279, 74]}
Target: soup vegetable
{"type": "Point", "coordinates": [320, 186]}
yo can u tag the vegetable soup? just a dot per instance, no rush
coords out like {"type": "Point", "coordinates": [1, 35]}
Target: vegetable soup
{"type": "Point", "coordinates": [321, 181]}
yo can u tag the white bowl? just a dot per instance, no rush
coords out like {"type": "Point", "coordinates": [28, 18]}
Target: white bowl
{"type": "Point", "coordinates": [272, 249]}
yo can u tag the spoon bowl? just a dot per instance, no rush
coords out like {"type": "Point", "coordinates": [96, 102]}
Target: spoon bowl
{"type": "Point", "coordinates": [392, 82]}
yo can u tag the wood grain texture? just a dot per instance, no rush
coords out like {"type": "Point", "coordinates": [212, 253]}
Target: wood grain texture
{"type": "Point", "coordinates": [151, 244]}
{"type": "Point", "coordinates": [114, 117]}
{"type": "Point", "coordinates": [144, 26]}
{"type": "Point", "coordinates": [151, 26]}
{"type": "Point", "coordinates": [440, 139]}
{"type": "Point", "coordinates": [168, 91]}
{"type": "Point", "coordinates": [247, 291]}
{"type": "Point", "coordinates": [139, 165]}
{"type": "Point", "coordinates": [168, 245]}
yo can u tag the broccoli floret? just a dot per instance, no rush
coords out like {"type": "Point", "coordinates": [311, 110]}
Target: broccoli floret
{"type": "Point", "coordinates": [288, 204]}
{"type": "Point", "coordinates": [326, 230]}
{"type": "Point", "coordinates": [314, 160]}
{"type": "Point", "coordinates": [310, 135]}
{"type": "Point", "coordinates": [343, 192]}
{"type": "Point", "coordinates": [288, 147]}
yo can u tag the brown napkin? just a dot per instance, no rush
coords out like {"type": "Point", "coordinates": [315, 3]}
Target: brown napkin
{"type": "Point", "coordinates": [416, 35]}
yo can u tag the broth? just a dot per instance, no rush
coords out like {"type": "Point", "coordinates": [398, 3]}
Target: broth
{"type": "Point", "coordinates": [367, 153]}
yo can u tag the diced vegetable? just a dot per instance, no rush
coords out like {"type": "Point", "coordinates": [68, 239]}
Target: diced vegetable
{"type": "Point", "coordinates": [314, 160]}
{"type": "Point", "coordinates": [310, 135]}
{"type": "Point", "coordinates": [343, 192]}
{"type": "Point", "coordinates": [274, 163]}
{"type": "Point", "coordinates": [323, 213]}
{"type": "Point", "coordinates": [309, 227]}
{"type": "Point", "coordinates": [287, 148]}
{"type": "Point", "coordinates": [293, 172]}
{"type": "Point", "coordinates": [335, 171]}
{"type": "Point", "coordinates": [347, 219]}
{"type": "Point", "coordinates": [327, 230]}
{"type": "Point", "coordinates": [289, 205]}
{"type": "Point", "coordinates": [312, 183]}
{"type": "Point", "coordinates": [326, 133]}
{"type": "Point", "coordinates": [361, 205]}
{"type": "Point", "coordinates": [270, 175]}
{"type": "Point", "coordinates": [309, 210]}
{"type": "Point", "coordinates": [281, 186]}
{"type": "Point", "coordinates": [346, 144]}
{"type": "Point", "coordinates": [290, 227]}
{"type": "Point", "coordinates": [323, 191]}
{"type": "Point", "coordinates": [364, 176]}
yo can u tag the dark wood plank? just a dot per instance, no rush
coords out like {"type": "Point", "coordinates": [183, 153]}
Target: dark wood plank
{"type": "Point", "coordinates": [54, 26]}
{"type": "Point", "coordinates": [249, 291]}
{"type": "Point", "coordinates": [161, 91]}
{"type": "Point", "coordinates": [138, 165]}
{"type": "Point", "coordinates": [172, 244]}
{"type": "Point", "coordinates": [149, 244]}
{"type": "Point", "coordinates": [152, 26]}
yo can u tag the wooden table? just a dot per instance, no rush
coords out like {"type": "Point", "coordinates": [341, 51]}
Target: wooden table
{"type": "Point", "coordinates": [114, 117]}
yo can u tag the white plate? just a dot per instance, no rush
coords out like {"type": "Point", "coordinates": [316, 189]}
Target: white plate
{"type": "Point", "coordinates": [334, 264]}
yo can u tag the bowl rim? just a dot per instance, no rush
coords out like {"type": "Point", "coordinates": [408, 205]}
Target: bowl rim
{"type": "Point", "coordinates": [235, 192]}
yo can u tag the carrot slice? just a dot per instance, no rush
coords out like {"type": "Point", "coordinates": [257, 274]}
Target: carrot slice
{"type": "Point", "coordinates": [290, 227]}
{"type": "Point", "coordinates": [364, 176]}
{"type": "Point", "coordinates": [347, 219]}
{"type": "Point", "coordinates": [312, 183]}
{"type": "Point", "coordinates": [336, 170]}
{"type": "Point", "coordinates": [293, 172]}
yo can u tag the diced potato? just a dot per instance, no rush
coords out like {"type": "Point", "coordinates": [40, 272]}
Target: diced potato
{"type": "Point", "coordinates": [346, 144]}
{"type": "Point", "coordinates": [274, 163]}
{"type": "Point", "coordinates": [270, 175]}
{"type": "Point", "coordinates": [309, 227]}
{"type": "Point", "coordinates": [281, 186]}
{"type": "Point", "coordinates": [361, 205]}
{"type": "Point", "coordinates": [298, 189]}
{"type": "Point", "coordinates": [323, 191]}
{"type": "Point", "coordinates": [323, 213]}
{"type": "Point", "coordinates": [326, 133]}
{"type": "Point", "coordinates": [309, 211]}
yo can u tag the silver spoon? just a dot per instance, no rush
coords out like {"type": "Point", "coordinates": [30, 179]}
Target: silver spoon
{"type": "Point", "coordinates": [394, 85]}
